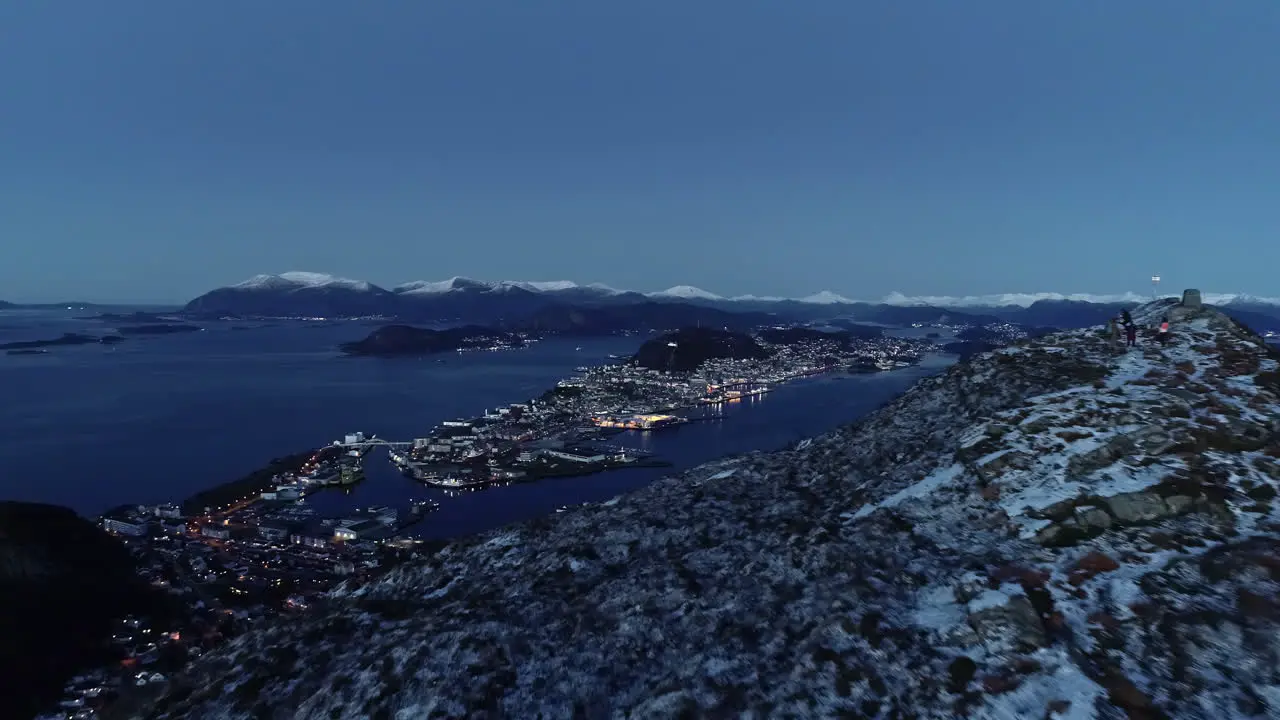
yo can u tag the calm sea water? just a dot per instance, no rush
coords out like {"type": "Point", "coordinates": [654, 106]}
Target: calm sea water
{"type": "Point", "coordinates": [157, 418]}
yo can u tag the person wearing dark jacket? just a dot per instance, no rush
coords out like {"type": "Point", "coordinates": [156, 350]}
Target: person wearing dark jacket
{"type": "Point", "coordinates": [1130, 334]}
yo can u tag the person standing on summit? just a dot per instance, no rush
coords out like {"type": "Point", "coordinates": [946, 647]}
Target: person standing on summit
{"type": "Point", "coordinates": [1130, 330]}
{"type": "Point", "coordinates": [1113, 333]}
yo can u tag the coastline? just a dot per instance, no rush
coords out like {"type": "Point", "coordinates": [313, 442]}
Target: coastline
{"type": "Point", "coordinates": [246, 488]}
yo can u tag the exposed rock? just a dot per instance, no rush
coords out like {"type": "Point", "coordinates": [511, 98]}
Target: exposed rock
{"type": "Point", "coordinates": [1178, 504]}
{"type": "Point", "coordinates": [1013, 626]}
{"type": "Point", "coordinates": [1060, 510]}
{"type": "Point", "coordinates": [1092, 518]}
{"type": "Point", "coordinates": [1137, 507]}
{"type": "Point", "coordinates": [991, 470]}
{"type": "Point", "coordinates": [1100, 457]}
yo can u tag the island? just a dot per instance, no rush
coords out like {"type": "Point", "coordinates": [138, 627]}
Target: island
{"type": "Point", "coordinates": [408, 341]}
{"type": "Point", "coordinates": [977, 339]}
{"type": "Point", "coordinates": [66, 339]}
{"type": "Point", "coordinates": [159, 329]}
{"type": "Point", "coordinates": [133, 317]}
{"type": "Point", "coordinates": [687, 349]}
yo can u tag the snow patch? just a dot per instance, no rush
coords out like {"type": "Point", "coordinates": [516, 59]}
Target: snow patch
{"type": "Point", "coordinates": [937, 609]}
{"type": "Point", "coordinates": [934, 481]}
{"type": "Point", "coordinates": [990, 599]}
{"type": "Point", "coordinates": [1029, 700]}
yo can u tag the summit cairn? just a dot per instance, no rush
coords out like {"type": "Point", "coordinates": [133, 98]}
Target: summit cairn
{"type": "Point", "coordinates": [1191, 298]}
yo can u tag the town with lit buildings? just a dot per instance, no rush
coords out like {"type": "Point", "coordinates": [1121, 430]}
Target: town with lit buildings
{"type": "Point", "coordinates": [564, 431]}
{"type": "Point", "coordinates": [254, 550]}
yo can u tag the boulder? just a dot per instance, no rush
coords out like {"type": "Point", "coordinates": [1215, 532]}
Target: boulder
{"type": "Point", "coordinates": [1178, 504]}
{"type": "Point", "coordinates": [1137, 507]}
{"type": "Point", "coordinates": [1015, 625]}
{"type": "Point", "coordinates": [1093, 519]}
{"type": "Point", "coordinates": [992, 469]}
{"type": "Point", "coordinates": [1058, 511]}
{"type": "Point", "coordinates": [1101, 456]}
{"type": "Point", "coordinates": [1152, 439]}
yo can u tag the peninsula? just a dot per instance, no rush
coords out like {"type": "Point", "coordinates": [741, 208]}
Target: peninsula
{"type": "Point", "coordinates": [406, 340]}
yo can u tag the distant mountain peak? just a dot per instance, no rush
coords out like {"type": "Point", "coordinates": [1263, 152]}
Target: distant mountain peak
{"type": "Point", "coordinates": [1007, 299]}
{"type": "Point", "coordinates": [826, 297]}
{"type": "Point", "coordinates": [546, 285]}
{"type": "Point", "coordinates": [430, 287]}
{"type": "Point", "coordinates": [299, 279]}
{"type": "Point", "coordinates": [686, 292]}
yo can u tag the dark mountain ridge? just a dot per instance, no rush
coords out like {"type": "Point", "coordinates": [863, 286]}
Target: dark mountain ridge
{"type": "Point", "coordinates": [470, 301]}
{"type": "Point", "coordinates": [1048, 530]}
{"type": "Point", "coordinates": [62, 583]}
{"type": "Point", "coordinates": [578, 320]}
{"type": "Point", "coordinates": [688, 348]}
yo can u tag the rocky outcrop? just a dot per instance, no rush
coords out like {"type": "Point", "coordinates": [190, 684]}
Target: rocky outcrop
{"type": "Point", "coordinates": [1043, 531]}
{"type": "Point", "coordinates": [62, 581]}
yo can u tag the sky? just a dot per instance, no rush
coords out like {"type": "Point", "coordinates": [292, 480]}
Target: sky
{"type": "Point", "coordinates": [153, 151]}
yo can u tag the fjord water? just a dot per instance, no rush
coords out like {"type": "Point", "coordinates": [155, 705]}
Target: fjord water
{"type": "Point", "coordinates": [157, 418]}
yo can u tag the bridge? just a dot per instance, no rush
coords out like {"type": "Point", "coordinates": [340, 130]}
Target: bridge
{"type": "Point", "coordinates": [357, 441]}
{"type": "Point", "coordinates": [374, 442]}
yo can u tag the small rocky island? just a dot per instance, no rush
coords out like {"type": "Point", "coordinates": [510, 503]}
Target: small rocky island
{"type": "Point", "coordinates": [686, 349]}
{"type": "Point", "coordinates": [65, 339]}
{"type": "Point", "coordinates": [159, 329]}
{"type": "Point", "coordinates": [409, 341]}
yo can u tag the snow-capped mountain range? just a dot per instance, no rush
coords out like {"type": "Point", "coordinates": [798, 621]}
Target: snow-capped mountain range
{"type": "Point", "coordinates": [311, 280]}
{"type": "Point", "coordinates": [523, 304]}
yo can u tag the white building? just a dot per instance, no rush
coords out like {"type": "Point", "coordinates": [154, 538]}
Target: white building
{"type": "Point", "coordinates": [168, 510]}
{"type": "Point", "coordinates": [124, 527]}
{"type": "Point", "coordinates": [216, 531]}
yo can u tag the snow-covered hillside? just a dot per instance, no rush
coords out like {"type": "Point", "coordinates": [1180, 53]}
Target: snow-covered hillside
{"type": "Point", "coordinates": [1027, 299]}
{"type": "Point", "coordinates": [302, 280]}
{"type": "Point", "coordinates": [685, 292]}
{"type": "Point", "coordinates": [1059, 529]}
{"type": "Point", "coordinates": [826, 297]}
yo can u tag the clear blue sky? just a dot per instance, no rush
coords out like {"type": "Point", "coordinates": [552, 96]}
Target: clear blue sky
{"type": "Point", "coordinates": [154, 150]}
